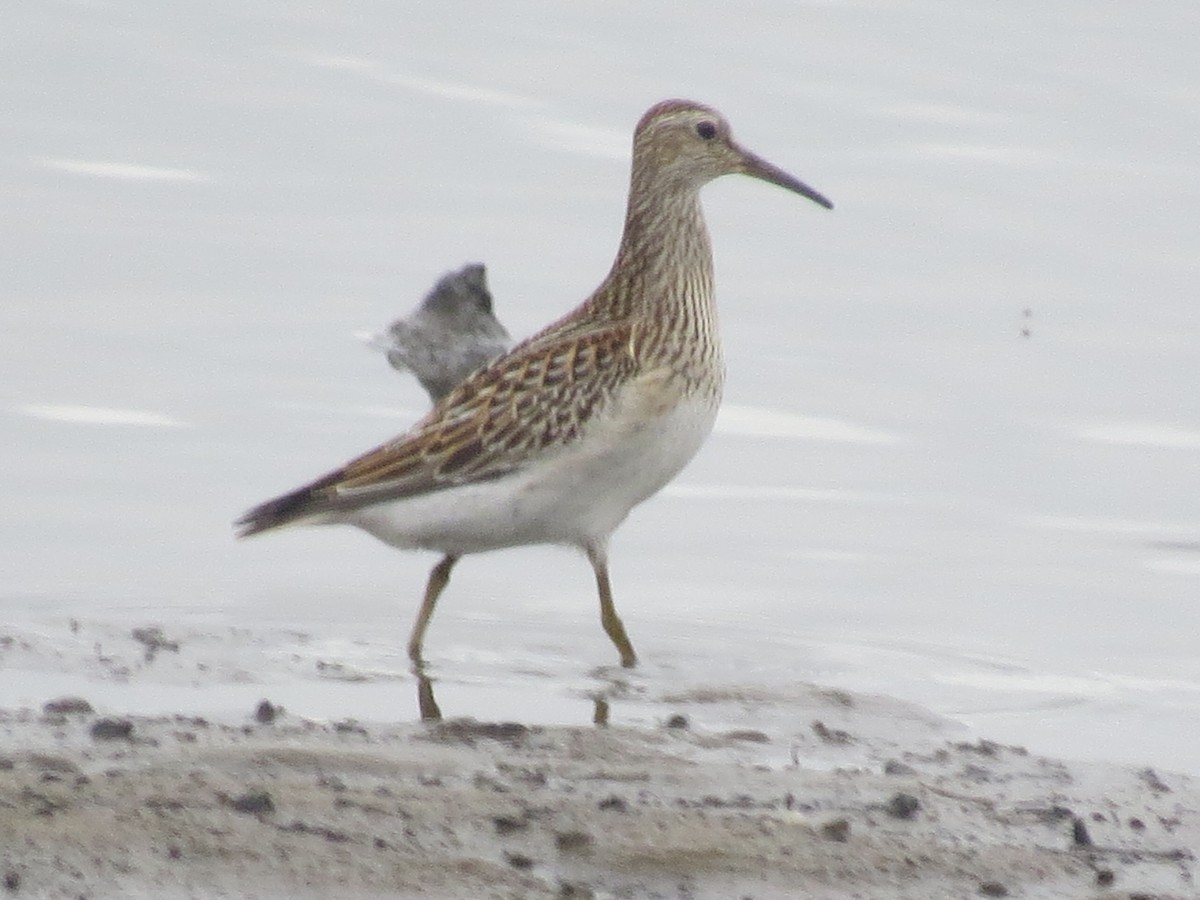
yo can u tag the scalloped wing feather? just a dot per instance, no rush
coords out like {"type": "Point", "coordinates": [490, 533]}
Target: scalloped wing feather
{"type": "Point", "coordinates": [538, 397]}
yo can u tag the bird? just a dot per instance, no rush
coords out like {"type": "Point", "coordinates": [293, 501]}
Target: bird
{"type": "Point", "coordinates": [559, 439]}
{"type": "Point", "coordinates": [451, 334]}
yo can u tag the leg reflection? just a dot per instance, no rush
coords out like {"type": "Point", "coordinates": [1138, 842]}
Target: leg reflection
{"type": "Point", "coordinates": [599, 711]}
{"type": "Point", "coordinates": [612, 688]}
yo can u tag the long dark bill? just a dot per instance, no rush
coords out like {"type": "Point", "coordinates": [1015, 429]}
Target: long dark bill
{"type": "Point", "coordinates": [757, 167]}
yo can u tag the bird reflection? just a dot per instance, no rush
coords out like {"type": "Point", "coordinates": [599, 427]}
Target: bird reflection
{"type": "Point", "coordinates": [430, 711]}
{"type": "Point", "coordinates": [599, 711]}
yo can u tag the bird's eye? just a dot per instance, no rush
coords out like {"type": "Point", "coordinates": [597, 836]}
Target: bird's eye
{"type": "Point", "coordinates": [706, 130]}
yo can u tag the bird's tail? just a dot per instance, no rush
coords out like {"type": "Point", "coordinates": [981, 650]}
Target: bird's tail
{"type": "Point", "coordinates": [288, 509]}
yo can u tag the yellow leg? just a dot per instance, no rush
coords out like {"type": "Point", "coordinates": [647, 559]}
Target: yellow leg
{"type": "Point", "coordinates": [426, 701]}
{"type": "Point", "coordinates": [438, 579]}
{"type": "Point", "coordinates": [613, 626]}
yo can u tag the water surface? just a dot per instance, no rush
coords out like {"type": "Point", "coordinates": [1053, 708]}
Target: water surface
{"type": "Point", "coordinates": [959, 457]}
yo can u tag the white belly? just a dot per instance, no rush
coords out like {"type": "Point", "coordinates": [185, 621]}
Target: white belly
{"type": "Point", "coordinates": [577, 495]}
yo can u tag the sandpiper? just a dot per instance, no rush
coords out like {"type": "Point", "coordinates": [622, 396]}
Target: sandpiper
{"type": "Point", "coordinates": [450, 335]}
{"type": "Point", "coordinates": [556, 441]}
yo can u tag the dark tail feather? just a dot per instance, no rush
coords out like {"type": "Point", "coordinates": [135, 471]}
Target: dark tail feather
{"type": "Point", "coordinates": [276, 513]}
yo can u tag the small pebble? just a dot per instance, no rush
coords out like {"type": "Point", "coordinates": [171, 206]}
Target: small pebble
{"type": "Point", "coordinates": [519, 860]}
{"type": "Point", "coordinates": [902, 806]}
{"type": "Point", "coordinates": [112, 730]}
{"type": "Point", "coordinates": [575, 890]}
{"type": "Point", "coordinates": [266, 712]}
{"type": "Point", "coordinates": [838, 830]}
{"type": "Point", "coordinates": [509, 824]}
{"type": "Point", "coordinates": [678, 721]}
{"type": "Point", "coordinates": [572, 841]}
{"type": "Point", "coordinates": [254, 803]}
{"type": "Point", "coordinates": [993, 889]}
{"type": "Point", "coordinates": [67, 706]}
{"type": "Point", "coordinates": [1079, 833]}
{"type": "Point", "coordinates": [614, 803]}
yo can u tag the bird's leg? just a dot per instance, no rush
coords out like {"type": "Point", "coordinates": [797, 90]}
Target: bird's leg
{"type": "Point", "coordinates": [426, 701]}
{"type": "Point", "coordinates": [598, 556]}
{"type": "Point", "coordinates": [438, 580]}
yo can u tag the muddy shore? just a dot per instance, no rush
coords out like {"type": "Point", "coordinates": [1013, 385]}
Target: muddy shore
{"type": "Point", "coordinates": [864, 797]}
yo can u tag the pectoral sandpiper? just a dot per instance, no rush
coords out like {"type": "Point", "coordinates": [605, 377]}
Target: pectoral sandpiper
{"type": "Point", "coordinates": [555, 442]}
{"type": "Point", "coordinates": [450, 335]}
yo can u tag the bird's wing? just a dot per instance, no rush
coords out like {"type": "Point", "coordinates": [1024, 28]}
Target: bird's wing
{"type": "Point", "coordinates": [538, 397]}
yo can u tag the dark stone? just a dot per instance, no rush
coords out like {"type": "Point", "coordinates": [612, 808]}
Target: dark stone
{"type": "Point", "coordinates": [254, 803]}
{"type": "Point", "coordinates": [1079, 833]}
{"type": "Point", "coordinates": [509, 824]}
{"type": "Point", "coordinates": [575, 890]}
{"type": "Point", "coordinates": [902, 806]}
{"type": "Point", "coordinates": [66, 706]}
{"type": "Point", "coordinates": [837, 830]}
{"type": "Point", "coordinates": [112, 730]}
{"type": "Point", "coordinates": [572, 841]}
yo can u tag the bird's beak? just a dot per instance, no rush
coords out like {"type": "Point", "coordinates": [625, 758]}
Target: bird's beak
{"type": "Point", "coordinates": [757, 167]}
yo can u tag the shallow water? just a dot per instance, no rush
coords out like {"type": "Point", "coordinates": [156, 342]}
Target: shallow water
{"type": "Point", "coordinates": [959, 457]}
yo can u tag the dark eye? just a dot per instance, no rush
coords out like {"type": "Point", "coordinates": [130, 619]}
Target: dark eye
{"type": "Point", "coordinates": [706, 130]}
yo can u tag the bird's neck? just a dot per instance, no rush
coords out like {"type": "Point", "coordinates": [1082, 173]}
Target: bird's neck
{"type": "Point", "coordinates": [664, 266]}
